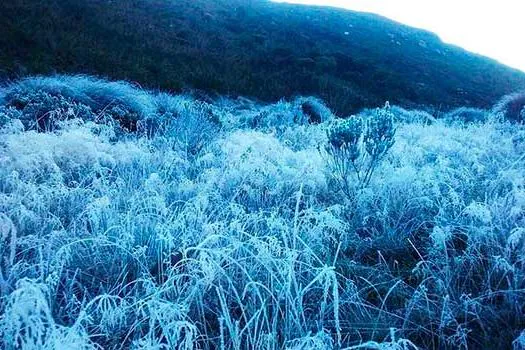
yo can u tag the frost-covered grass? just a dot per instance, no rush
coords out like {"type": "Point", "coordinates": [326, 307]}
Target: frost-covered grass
{"type": "Point", "coordinates": [224, 228]}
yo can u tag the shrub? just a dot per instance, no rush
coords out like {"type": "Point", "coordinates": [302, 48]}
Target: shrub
{"type": "Point", "coordinates": [467, 115]}
{"type": "Point", "coordinates": [283, 114]}
{"type": "Point", "coordinates": [90, 91]}
{"type": "Point", "coordinates": [313, 110]}
{"type": "Point", "coordinates": [193, 124]}
{"type": "Point", "coordinates": [412, 116]}
{"type": "Point", "coordinates": [261, 172]}
{"type": "Point", "coordinates": [169, 106]}
{"type": "Point", "coordinates": [278, 115]}
{"type": "Point", "coordinates": [511, 107]}
{"type": "Point", "coordinates": [47, 100]}
{"type": "Point", "coordinates": [42, 111]}
{"type": "Point", "coordinates": [357, 145]}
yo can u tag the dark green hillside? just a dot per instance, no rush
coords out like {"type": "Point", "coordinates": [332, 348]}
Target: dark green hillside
{"type": "Point", "coordinates": [254, 48]}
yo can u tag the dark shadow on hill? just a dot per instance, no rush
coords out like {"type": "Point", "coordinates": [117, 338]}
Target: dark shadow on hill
{"type": "Point", "coordinates": [253, 48]}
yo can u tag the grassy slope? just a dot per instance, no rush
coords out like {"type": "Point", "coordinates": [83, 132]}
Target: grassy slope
{"type": "Point", "coordinates": [237, 236]}
{"type": "Point", "coordinates": [252, 48]}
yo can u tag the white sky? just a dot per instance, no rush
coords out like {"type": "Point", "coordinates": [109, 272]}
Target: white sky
{"type": "Point", "coordinates": [491, 28]}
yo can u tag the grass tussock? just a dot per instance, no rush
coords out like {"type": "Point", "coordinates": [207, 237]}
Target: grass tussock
{"type": "Point", "coordinates": [223, 225]}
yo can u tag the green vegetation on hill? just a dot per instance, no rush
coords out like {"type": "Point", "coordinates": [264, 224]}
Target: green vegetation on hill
{"type": "Point", "coordinates": [252, 48]}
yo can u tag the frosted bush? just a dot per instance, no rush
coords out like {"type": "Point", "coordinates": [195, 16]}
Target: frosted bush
{"type": "Point", "coordinates": [95, 93]}
{"type": "Point", "coordinates": [313, 110]}
{"type": "Point", "coordinates": [278, 115]}
{"type": "Point", "coordinates": [324, 230]}
{"type": "Point", "coordinates": [511, 106]}
{"type": "Point", "coordinates": [356, 146]}
{"type": "Point", "coordinates": [379, 133]}
{"type": "Point", "coordinates": [479, 213]}
{"type": "Point", "coordinates": [65, 156]}
{"type": "Point", "coordinates": [411, 116]}
{"type": "Point", "coordinates": [169, 106]}
{"type": "Point", "coordinates": [260, 170]}
{"type": "Point", "coordinates": [45, 100]}
{"type": "Point", "coordinates": [467, 115]}
{"type": "Point", "coordinates": [43, 112]}
{"type": "Point", "coordinates": [194, 127]}
{"type": "Point", "coordinates": [302, 111]}
{"type": "Point", "coordinates": [303, 137]}
{"type": "Point", "coordinates": [28, 322]}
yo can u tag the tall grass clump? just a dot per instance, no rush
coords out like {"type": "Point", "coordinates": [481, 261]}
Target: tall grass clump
{"type": "Point", "coordinates": [93, 92]}
{"type": "Point", "coordinates": [466, 115]}
{"type": "Point", "coordinates": [511, 107]}
{"type": "Point", "coordinates": [236, 225]}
